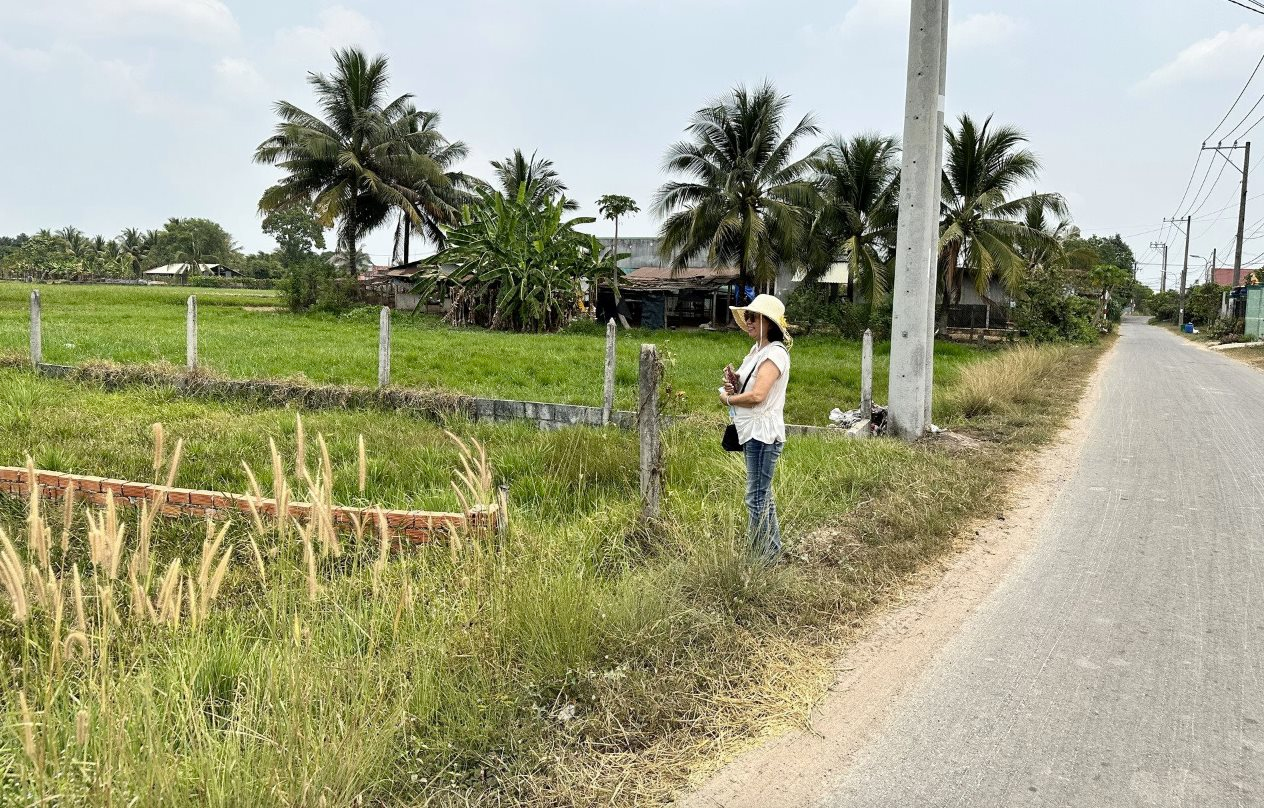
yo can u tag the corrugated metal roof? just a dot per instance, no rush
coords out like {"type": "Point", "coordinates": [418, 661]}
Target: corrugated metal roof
{"type": "Point", "coordinates": [664, 279]}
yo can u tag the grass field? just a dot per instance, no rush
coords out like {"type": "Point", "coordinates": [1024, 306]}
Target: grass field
{"type": "Point", "coordinates": [584, 659]}
{"type": "Point", "coordinates": [146, 324]}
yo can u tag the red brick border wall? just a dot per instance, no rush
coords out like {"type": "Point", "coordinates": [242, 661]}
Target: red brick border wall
{"type": "Point", "coordinates": [414, 526]}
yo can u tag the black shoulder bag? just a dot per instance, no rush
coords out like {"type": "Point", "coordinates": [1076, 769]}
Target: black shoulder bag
{"type": "Point", "coordinates": [730, 442]}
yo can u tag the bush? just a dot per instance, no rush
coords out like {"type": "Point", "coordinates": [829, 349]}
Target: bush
{"type": "Point", "coordinates": [1164, 306]}
{"type": "Point", "coordinates": [1226, 329]}
{"type": "Point", "coordinates": [214, 282]}
{"type": "Point", "coordinates": [813, 305]}
{"type": "Point", "coordinates": [1046, 312]}
{"type": "Point", "coordinates": [316, 285]}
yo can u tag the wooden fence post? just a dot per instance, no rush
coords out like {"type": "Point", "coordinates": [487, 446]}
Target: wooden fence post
{"type": "Point", "coordinates": [37, 330]}
{"type": "Point", "coordinates": [190, 334]}
{"type": "Point", "coordinates": [607, 399]}
{"type": "Point", "coordinates": [384, 347]}
{"type": "Point", "coordinates": [651, 371]}
{"type": "Point", "coordinates": [866, 375]}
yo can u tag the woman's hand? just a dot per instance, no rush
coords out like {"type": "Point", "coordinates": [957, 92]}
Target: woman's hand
{"type": "Point", "coordinates": [729, 388]}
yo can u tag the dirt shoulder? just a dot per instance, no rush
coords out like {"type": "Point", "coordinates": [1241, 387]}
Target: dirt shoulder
{"type": "Point", "coordinates": [896, 645]}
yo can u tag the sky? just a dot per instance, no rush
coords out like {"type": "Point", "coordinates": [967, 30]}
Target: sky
{"type": "Point", "coordinates": [123, 113]}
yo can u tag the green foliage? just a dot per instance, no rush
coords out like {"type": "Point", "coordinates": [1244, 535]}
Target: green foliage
{"type": "Point", "coordinates": [1226, 329]}
{"type": "Point", "coordinates": [1164, 306]}
{"type": "Point", "coordinates": [191, 241]}
{"type": "Point", "coordinates": [1048, 310]}
{"type": "Point", "coordinates": [42, 258]}
{"type": "Point", "coordinates": [10, 244]}
{"type": "Point", "coordinates": [983, 231]}
{"type": "Point", "coordinates": [1202, 303]}
{"type": "Point", "coordinates": [746, 199]}
{"type": "Point", "coordinates": [297, 231]}
{"type": "Point", "coordinates": [261, 265]}
{"type": "Point", "coordinates": [366, 158]}
{"type": "Point", "coordinates": [516, 264]}
{"type": "Point", "coordinates": [814, 306]}
{"type": "Point", "coordinates": [859, 185]}
{"type": "Point", "coordinates": [314, 284]}
{"type": "Point", "coordinates": [534, 176]}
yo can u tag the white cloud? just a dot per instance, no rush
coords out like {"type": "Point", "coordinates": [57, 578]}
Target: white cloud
{"type": "Point", "coordinates": [239, 79]}
{"type": "Point", "coordinates": [1225, 54]}
{"type": "Point", "coordinates": [867, 15]}
{"type": "Point", "coordinates": [337, 27]}
{"type": "Point", "coordinates": [203, 20]}
{"type": "Point", "coordinates": [982, 30]}
{"type": "Point", "coordinates": [29, 58]}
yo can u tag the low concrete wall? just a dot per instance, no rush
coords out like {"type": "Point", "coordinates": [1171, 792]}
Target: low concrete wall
{"type": "Point", "coordinates": [428, 404]}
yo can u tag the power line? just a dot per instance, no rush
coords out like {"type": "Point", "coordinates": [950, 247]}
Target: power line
{"type": "Point", "coordinates": [1248, 8]}
{"type": "Point", "coordinates": [1234, 105]}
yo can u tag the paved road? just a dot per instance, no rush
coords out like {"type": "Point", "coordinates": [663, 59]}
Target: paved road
{"type": "Point", "coordinates": [1122, 662]}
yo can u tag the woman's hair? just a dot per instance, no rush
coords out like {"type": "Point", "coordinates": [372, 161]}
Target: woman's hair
{"type": "Point", "coordinates": [771, 330]}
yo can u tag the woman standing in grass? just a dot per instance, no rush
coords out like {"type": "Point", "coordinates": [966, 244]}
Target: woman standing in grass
{"type": "Point", "coordinates": [756, 397]}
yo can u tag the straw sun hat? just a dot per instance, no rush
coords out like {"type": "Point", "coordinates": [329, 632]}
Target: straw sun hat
{"type": "Point", "coordinates": [770, 307]}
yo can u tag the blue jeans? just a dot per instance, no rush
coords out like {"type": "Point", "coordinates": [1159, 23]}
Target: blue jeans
{"type": "Point", "coordinates": [765, 531]}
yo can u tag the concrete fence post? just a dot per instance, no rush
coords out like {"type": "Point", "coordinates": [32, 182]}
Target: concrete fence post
{"type": "Point", "coordinates": [37, 330]}
{"type": "Point", "coordinates": [651, 444]}
{"type": "Point", "coordinates": [191, 334]}
{"type": "Point", "coordinates": [866, 375]}
{"type": "Point", "coordinates": [384, 347]}
{"type": "Point", "coordinates": [607, 398]}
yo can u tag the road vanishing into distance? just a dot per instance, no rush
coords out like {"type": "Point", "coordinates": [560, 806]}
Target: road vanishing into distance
{"type": "Point", "coordinates": [1121, 661]}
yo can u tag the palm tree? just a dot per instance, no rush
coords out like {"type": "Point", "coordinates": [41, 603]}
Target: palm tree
{"type": "Point", "coordinates": [858, 180]}
{"type": "Point", "coordinates": [982, 229]}
{"type": "Point", "coordinates": [78, 243]}
{"type": "Point", "coordinates": [746, 199]}
{"type": "Point", "coordinates": [365, 158]}
{"type": "Point", "coordinates": [536, 173]}
{"type": "Point", "coordinates": [612, 206]}
{"type": "Point", "coordinates": [438, 204]}
{"type": "Point", "coordinates": [132, 246]}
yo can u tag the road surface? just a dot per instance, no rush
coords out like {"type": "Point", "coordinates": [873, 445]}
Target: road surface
{"type": "Point", "coordinates": [1121, 662]}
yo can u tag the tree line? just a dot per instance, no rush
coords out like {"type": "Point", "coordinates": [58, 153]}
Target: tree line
{"type": "Point", "coordinates": [747, 188]}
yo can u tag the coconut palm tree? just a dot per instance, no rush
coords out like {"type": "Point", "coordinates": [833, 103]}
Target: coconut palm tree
{"type": "Point", "coordinates": [536, 173]}
{"type": "Point", "coordinates": [982, 228]}
{"type": "Point", "coordinates": [133, 248]}
{"type": "Point", "coordinates": [858, 180]}
{"type": "Point", "coordinates": [438, 204]}
{"type": "Point", "coordinates": [365, 158]}
{"type": "Point", "coordinates": [746, 197]}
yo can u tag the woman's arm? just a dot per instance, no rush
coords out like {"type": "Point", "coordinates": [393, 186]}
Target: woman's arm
{"type": "Point", "coordinates": [767, 374]}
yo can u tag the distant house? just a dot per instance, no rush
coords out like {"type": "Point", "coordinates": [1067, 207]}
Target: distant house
{"type": "Point", "coordinates": [1223, 276]}
{"type": "Point", "coordinates": [179, 273]}
{"type": "Point", "coordinates": [658, 297]}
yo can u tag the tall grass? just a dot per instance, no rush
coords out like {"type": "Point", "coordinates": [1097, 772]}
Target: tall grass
{"type": "Point", "coordinates": [580, 659]}
{"type": "Point", "coordinates": [1007, 381]}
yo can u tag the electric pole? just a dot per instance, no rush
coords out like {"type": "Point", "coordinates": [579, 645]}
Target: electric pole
{"type": "Point", "coordinates": [917, 232]}
{"type": "Point", "coordinates": [1245, 171]}
{"type": "Point", "coordinates": [1180, 316]}
{"type": "Point", "coordinates": [1156, 245]}
{"type": "Point", "coordinates": [1211, 271]}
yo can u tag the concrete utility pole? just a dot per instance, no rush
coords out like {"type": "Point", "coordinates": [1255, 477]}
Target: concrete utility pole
{"type": "Point", "coordinates": [1211, 271]}
{"type": "Point", "coordinates": [917, 235]}
{"type": "Point", "coordinates": [1245, 170]}
{"type": "Point", "coordinates": [1156, 245]}
{"type": "Point", "coordinates": [939, 161]}
{"type": "Point", "coordinates": [1180, 315]}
